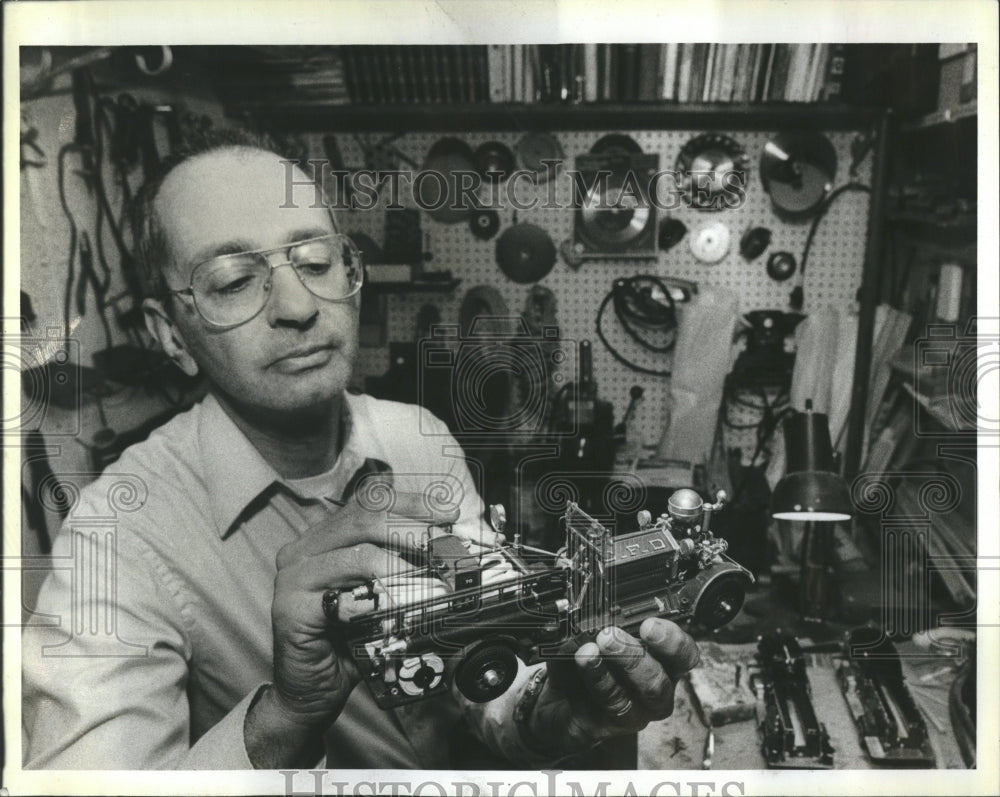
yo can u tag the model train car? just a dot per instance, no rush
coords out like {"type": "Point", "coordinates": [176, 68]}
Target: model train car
{"type": "Point", "coordinates": [793, 736]}
{"type": "Point", "coordinates": [468, 617]}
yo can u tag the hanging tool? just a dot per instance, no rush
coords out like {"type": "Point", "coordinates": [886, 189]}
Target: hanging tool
{"type": "Point", "coordinates": [525, 252]}
{"type": "Point", "coordinates": [32, 159]}
{"type": "Point", "coordinates": [645, 308]}
{"type": "Point", "coordinates": [797, 169]}
{"type": "Point", "coordinates": [86, 269]}
{"type": "Point", "coordinates": [125, 140]}
{"type": "Point", "coordinates": [709, 752]}
{"type": "Point", "coordinates": [484, 223]}
{"type": "Point", "coordinates": [672, 231]}
{"type": "Point", "coordinates": [781, 266]}
{"type": "Point", "coordinates": [754, 241]}
{"type": "Point", "coordinates": [620, 433]}
{"type": "Point", "coordinates": [448, 158]}
{"type": "Point", "coordinates": [494, 161]}
{"type": "Point", "coordinates": [158, 65]}
{"type": "Point", "coordinates": [31, 152]}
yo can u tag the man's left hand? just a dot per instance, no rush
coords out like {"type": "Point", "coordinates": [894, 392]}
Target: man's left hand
{"type": "Point", "coordinates": [611, 687]}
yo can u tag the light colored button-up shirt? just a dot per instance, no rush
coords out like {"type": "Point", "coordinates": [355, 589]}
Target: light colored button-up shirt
{"type": "Point", "coordinates": [153, 632]}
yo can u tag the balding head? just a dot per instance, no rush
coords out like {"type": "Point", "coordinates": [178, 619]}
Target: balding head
{"type": "Point", "coordinates": [149, 237]}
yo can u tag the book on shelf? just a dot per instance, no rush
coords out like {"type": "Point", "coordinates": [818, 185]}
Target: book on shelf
{"type": "Point", "coordinates": [389, 77]}
{"type": "Point", "coordinates": [649, 71]}
{"type": "Point", "coordinates": [571, 89]}
{"type": "Point", "coordinates": [833, 77]}
{"type": "Point", "coordinates": [590, 87]}
{"type": "Point", "coordinates": [728, 80]}
{"type": "Point", "coordinates": [605, 76]}
{"type": "Point", "coordinates": [686, 58]}
{"type": "Point", "coordinates": [495, 70]}
{"type": "Point", "coordinates": [798, 65]}
{"type": "Point", "coordinates": [706, 88]}
{"type": "Point", "coordinates": [445, 56]}
{"type": "Point", "coordinates": [531, 73]}
{"type": "Point", "coordinates": [670, 64]}
{"type": "Point", "coordinates": [628, 72]}
{"type": "Point", "coordinates": [779, 72]}
{"type": "Point", "coordinates": [517, 73]}
{"type": "Point", "coordinates": [463, 91]}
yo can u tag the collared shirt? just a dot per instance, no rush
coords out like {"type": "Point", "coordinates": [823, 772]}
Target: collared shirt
{"type": "Point", "coordinates": [153, 632]}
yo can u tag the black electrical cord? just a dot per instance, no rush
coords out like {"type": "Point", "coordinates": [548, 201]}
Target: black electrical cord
{"type": "Point", "coordinates": [64, 150]}
{"type": "Point", "coordinates": [797, 297]}
{"type": "Point", "coordinates": [96, 176]}
{"type": "Point", "coordinates": [773, 411]}
{"type": "Point", "coordinates": [120, 165]}
{"type": "Point", "coordinates": [99, 225]}
{"type": "Point", "coordinates": [636, 309]}
{"type": "Point", "coordinates": [102, 196]}
{"type": "Point", "coordinates": [87, 273]}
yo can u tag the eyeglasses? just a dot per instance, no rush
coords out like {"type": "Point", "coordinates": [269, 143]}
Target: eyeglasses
{"type": "Point", "coordinates": [229, 290]}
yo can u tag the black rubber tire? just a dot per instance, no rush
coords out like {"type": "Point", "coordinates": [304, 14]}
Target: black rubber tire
{"type": "Point", "coordinates": [487, 656]}
{"type": "Point", "coordinates": [721, 600]}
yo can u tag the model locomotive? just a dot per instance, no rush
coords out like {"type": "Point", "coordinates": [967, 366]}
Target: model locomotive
{"type": "Point", "coordinates": [467, 617]}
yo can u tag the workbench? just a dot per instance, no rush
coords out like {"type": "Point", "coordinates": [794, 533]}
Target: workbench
{"type": "Point", "coordinates": [679, 741]}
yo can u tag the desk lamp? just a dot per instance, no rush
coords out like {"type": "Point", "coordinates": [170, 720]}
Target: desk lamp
{"type": "Point", "coordinates": [814, 493]}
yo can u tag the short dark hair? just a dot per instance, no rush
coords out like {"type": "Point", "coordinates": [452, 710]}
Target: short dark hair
{"type": "Point", "coordinates": [149, 241]}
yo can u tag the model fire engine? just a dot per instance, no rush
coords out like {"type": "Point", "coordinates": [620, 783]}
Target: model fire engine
{"type": "Point", "coordinates": [466, 616]}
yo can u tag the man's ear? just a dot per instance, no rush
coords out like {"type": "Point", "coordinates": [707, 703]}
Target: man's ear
{"type": "Point", "coordinates": [162, 327]}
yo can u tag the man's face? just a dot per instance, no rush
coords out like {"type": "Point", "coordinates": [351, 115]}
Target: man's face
{"type": "Point", "coordinates": [298, 352]}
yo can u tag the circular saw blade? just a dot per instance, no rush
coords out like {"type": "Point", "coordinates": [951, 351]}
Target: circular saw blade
{"type": "Point", "coordinates": [525, 253]}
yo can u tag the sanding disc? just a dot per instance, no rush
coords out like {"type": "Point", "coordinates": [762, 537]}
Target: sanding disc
{"type": "Point", "coordinates": [539, 152]}
{"type": "Point", "coordinates": [616, 144]}
{"type": "Point", "coordinates": [439, 194]}
{"type": "Point", "coordinates": [495, 161]}
{"type": "Point", "coordinates": [797, 169]}
{"type": "Point", "coordinates": [484, 223]}
{"type": "Point", "coordinates": [483, 311]}
{"type": "Point", "coordinates": [525, 253]}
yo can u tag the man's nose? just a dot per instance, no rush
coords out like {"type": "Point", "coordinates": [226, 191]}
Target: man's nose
{"type": "Point", "coordinates": [290, 302]}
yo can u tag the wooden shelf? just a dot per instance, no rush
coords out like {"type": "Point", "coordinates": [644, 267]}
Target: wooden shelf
{"type": "Point", "coordinates": [959, 226]}
{"type": "Point", "coordinates": [942, 117]}
{"type": "Point", "coordinates": [920, 217]}
{"type": "Point", "coordinates": [322, 116]}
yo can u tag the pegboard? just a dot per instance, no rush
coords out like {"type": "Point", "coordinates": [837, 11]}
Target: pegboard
{"type": "Point", "coordinates": [832, 278]}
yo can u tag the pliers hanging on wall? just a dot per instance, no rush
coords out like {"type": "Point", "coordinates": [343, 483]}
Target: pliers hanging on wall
{"type": "Point", "coordinates": [32, 153]}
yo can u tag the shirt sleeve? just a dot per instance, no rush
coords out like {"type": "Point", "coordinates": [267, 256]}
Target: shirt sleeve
{"type": "Point", "coordinates": [105, 615]}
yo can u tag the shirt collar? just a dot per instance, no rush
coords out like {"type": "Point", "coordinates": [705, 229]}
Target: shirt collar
{"type": "Point", "coordinates": [235, 472]}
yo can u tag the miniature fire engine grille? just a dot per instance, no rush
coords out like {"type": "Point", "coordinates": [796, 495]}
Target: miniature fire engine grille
{"type": "Point", "coordinates": [590, 589]}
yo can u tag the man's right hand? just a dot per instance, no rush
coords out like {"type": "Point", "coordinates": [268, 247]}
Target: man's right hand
{"type": "Point", "coordinates": [284, 727]}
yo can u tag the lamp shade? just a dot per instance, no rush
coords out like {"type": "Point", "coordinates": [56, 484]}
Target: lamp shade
{"type": "Point", "coordinates": [811, 490]}
{"type": "Point", "coordinates": [811, 495]}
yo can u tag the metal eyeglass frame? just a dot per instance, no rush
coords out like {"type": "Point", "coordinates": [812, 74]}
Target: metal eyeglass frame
{"type": "Point", "coordinates": [287, 247]}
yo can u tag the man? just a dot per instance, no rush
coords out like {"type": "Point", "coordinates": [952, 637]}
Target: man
{"type": "Point", "coordinates": [217, 653]}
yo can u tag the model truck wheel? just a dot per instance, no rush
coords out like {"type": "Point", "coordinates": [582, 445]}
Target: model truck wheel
{"type": "Point", "coordinates": [720, 600]}
{"type": "Point", "coordinates": [487, 672]}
